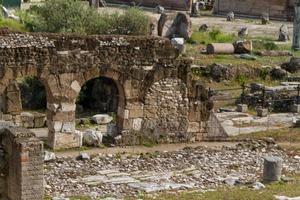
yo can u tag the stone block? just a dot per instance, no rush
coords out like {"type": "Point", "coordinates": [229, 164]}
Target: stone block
{"type": "Point", "coordinates": [136, 113]}
{"type": "Point", "coordinates": [67, 107]}
{"type": "Point", "coordinates": [272, 168]}
{"type": "Point", "coordinates": [193, 127]}
{"type": "Point", "coordinates": [27, 119]}
{"type": "Point", "coordinates": [137, 124]}
{"type": "Point", "coordinates": [7, 117]}
{"type": "Point", "coordinates": [39, 120]}
{"type": "Point", "coordinates": [262, 112]}
{"type": "Point", "coordinates": [242, 108]}
{"type": "Point", "coordinates": [296, 108]}
{"type": "Point", "coordinates": [102, 118]}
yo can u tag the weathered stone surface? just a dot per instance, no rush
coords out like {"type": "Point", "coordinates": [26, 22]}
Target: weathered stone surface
{"type": "Point", "coordinates": [27, 119]}
{"type": "Point", "coordinates": [243, 32]}
{"type": "Point", "coordinates": [230, 16]}
{"type": "Point", "coordinates": [220, 48]}
{"type": "Point", "coordinates": [13, 98]}
{"type": "Point", "coordinates": [178, 43]}
{"type": "Point", "coordinates": [102, 119]}
{"type": "Point", "coordinates": [242, 108]}
{"type": "Point", "coordinates": [272, 168]}
{"type": "Point", "coordinates": [241, 47]}
{"type": "Point", "coordinates": [265, 19]}
{"type": "Point", "coordinates": [24, 170]}
{"type": "Point", "coordinates": [293, 66]}
{"type": "Point", "coordinates": [64, 63]}
{"type": "Point", "coordinates": [278, 73]}
{"type": "Point", "coordinates": [283, 33]}
{"type": "Point", "coordinates": [203, 28]}
{"type": "Point", "coordinates": [175, 25]}
{"type": "Point", "coordinates": [92, 138]}
{"type": "Point", "coordinates": [49, 156]}
{"type": "Point", "coordinates": [262, 112]}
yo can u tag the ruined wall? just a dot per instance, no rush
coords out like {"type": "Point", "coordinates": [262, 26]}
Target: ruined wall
{"type": "Point", "coordinates": [22, 169]}
{"type": "Point", "coordinates": [168, 4]}
{"type": "Point", "coordinates": [278, 9]}
{"type": "Point", "coordinates": [63, 63]}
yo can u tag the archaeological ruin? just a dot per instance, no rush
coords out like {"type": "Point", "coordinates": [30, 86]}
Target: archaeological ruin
{"type": "Point", "coordinates": [154, 95]}
{"type": "Point", "coordinates": [22, 170]}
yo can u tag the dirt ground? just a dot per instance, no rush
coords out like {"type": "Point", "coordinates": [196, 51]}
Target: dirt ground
{"type": "Point", "coordinates": [254, 25]}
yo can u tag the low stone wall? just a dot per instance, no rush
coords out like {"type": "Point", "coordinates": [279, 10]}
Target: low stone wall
{"type": "Point", "coordinates": [21, 165]}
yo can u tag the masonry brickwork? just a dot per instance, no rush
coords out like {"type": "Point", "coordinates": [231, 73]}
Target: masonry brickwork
{"type": "Point", "coordinates": [22, 165]}
{"type": "Point", "coordinates": [154, 85]}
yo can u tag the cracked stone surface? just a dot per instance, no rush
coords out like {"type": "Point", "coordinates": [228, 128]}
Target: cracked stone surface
{"type": "Point", "coordinates": [199, 168]}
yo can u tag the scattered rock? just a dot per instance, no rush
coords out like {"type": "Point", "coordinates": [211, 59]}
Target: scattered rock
{"type": "Point", "coordinates": [102, 119]}
{"type": "Point", "coordinates": [258, 186]}
{"type": "Point", "coordinates": [293, 66]}
{"type": "Point", "coordinates": [49, 156]}
{"type": "Point", "coordinates": [160, 9]}
{"type": "Point", "coordinates": [60, 198]}
{"type": "Point", "coordinates": [278, 73]}
{"type": "Point", "coordinates": [178, 43]}
{"type": "Point", "coordinates": [286, 198]}
{"type": "Point", "coordinates": [203, 28]}
{"type": "Point", "coordinates": [243, 32]}
{"type": "Point", "coordinates": [283, 33]}
{"type": "Point", "coordinates": [230, 16]}
{"type": "Point", "coordinates": [195, 9]}
{"type": "Point", "coordinates": [272, 168]}
{"type": "Point", "coordinates": [246, 56]}
{"type": "Point", "coordinates": [83, 156]}
{"type": "Point", "coordinates": [92, 138]}
{"type": "Point", "coordinates": [265, 19]}
{"type": "Point", "coordinates": [242, 47]}
{"type": "Point", "coordinates": [175, 25]}
{"type": "Point", "coordinates": [231, 181]}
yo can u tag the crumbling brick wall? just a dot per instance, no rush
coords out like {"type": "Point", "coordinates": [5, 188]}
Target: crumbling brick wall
{"type": "Point", "coordinates": [63, 63]}
{"type": "Point", "coordinates": [278, 9]}
{"type": "Point", "coordinates": [23, 175]}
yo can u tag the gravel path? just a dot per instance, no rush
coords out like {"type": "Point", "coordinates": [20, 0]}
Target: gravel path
{"type": "Point", "coordinates": [190, 168]}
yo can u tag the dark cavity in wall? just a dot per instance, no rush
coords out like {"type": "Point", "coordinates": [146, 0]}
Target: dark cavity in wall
{"type": "Point", "coordinates": [98, 95]}
{"type": "Point", "coordinates": [33, 94]}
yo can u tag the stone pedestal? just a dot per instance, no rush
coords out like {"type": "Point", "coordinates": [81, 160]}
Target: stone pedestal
{"type": "Point", "coordinates": [272, 168]}
{"type": "Point", "coordinates": [262, 112]}
{"type": "Point", "coordinates": [242, 108]}
{"type": "Point", "coordinates": [296, 108]}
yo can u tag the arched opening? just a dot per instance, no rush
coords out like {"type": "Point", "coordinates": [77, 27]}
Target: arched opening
{"type": "Point", "coordinates": [33, 94]}
{"type": "Point", "coordinates": [33, 99]}
{"type": "Point", "coordinates": [99, 107]}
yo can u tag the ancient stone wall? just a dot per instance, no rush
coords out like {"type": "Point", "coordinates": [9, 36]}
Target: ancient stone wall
{"type": "Point", "coordinates": [168, 4]}
{"type": "Point", "coordinates": [21, 165]}
{"type": "Point", "coordinates": [278, 9]}
{"type": "Point", "coordinates": [137, 65]}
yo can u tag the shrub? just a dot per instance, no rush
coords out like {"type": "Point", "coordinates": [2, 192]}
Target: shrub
{"type": "Point", "coordinates": [72, 16]}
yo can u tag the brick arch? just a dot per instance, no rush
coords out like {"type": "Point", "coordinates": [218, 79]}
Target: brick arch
{"type": "Point", "coordinates": [119, 81]}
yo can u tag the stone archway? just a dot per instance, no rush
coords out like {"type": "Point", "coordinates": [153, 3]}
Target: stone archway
{"type": "Point", "coordinates": [102, 95]}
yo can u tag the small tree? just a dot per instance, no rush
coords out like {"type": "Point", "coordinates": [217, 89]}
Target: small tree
{"type": "Point", "coordinates": [75, 17]}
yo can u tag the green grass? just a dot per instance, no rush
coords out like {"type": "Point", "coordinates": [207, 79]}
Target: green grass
{"type": "Point", "coordinates": [12, 25]}
{"type": "Point", "coordinates": [236, 193]}
{"type": "Point", "coordinates": [213, 36]}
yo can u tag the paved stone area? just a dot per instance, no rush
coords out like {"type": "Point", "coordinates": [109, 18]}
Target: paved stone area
{"type": "Point", "coordinates": [198, 168]}
{"type": "Point", "coordinates": [235, 123]}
